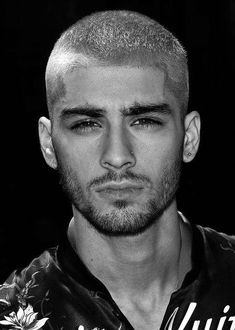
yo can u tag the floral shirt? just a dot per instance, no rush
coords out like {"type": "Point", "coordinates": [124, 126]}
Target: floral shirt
{"type": "Point", "coordinates": [57, 291]}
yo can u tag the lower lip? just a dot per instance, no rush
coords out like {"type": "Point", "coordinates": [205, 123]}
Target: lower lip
{"type": "Point", "coordinates": [120, 193]}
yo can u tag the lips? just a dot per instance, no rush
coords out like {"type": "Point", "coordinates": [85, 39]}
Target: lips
{"type": "Point", "coordinates": [119, 191]}
{"type": "Point", "coordinates": [119, 187]}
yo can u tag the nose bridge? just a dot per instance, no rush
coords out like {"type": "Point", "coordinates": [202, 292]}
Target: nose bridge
{"type": "Point", "coordinates": [117, 149]}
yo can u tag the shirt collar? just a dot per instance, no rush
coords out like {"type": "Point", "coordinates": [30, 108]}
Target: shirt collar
{"type": "Point", "coordinates": [72, 265]}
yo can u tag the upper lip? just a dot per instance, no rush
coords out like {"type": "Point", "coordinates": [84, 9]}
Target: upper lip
{"type": "Point", "coordinates": [119, 186]}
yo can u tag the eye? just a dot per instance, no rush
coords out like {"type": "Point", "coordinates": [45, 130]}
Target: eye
{"type": "Point", "coordinates": [85, 126]}
{"type": "Point", "coordinates": [147, 122]}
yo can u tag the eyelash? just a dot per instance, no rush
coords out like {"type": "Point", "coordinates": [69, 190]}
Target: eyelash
{"type": "Point", "coordinates": [80, 126]}
{"type": "Point", "coordinates": [152, 122]}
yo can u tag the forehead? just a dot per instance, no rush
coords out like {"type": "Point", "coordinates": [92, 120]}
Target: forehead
{"type": "Point", "coordinates": [115, 87]}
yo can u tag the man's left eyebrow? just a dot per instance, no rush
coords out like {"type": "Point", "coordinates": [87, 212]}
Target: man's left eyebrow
{"type": "Point", "coordinates": [141, 109]}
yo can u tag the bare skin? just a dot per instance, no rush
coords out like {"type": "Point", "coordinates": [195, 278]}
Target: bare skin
{"type": "Point", "coordinates": [141, 271]}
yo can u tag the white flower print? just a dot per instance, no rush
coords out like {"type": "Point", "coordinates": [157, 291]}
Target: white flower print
{"type": "Point", "coordinates": [24, 319]}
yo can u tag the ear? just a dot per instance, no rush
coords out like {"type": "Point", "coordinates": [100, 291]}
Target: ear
{"type": "Point", "coordinates": [192, 126]}
{"type": "Point", "coordinates": [44, 130]}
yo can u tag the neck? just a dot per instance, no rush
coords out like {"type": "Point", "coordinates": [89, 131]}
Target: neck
{"type": "Point", "coordinates": [134, 263]}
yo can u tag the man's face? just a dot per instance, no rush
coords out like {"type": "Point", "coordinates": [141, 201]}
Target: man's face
{"type": "Point", "coordinates": [118, 126]}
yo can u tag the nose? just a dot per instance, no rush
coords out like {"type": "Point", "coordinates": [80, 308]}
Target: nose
{"type": "Point", "coordinates": [117, 151]}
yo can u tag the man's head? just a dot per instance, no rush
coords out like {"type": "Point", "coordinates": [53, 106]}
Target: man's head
{"type": "Point", "coordinates": [118, 38]}
{"type": "Point", "coordinates": [117, 87]}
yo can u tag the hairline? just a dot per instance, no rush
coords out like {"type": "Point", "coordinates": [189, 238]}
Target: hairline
{"type": "Point", "coordinates": [59, 66]}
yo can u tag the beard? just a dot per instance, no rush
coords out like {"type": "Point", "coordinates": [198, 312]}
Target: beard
{"type": "Point", "coordinates": [123, 219]}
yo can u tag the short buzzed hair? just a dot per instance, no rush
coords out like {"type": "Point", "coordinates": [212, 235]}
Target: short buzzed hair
{"type": "Point", "coordinates": [117, 38]}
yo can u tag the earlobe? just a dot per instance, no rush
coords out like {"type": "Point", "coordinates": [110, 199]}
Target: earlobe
{"type": "Point", "coordinates": [192, 135]}
{"type": "Point", "coordinates": [44, 130]}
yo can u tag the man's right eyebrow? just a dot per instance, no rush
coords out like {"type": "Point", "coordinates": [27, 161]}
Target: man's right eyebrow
{"type": "Point", "coordinates": [82, 111]}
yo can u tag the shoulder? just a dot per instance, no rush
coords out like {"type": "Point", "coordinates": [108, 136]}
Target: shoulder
{"type": "Point", "coordinates": [217, 237]}
{"type": "Point", "coordinates": [219, 245]}
{"type": "Point", "coordinates": [23, 284]}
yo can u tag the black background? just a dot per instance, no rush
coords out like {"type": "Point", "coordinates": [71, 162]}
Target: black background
{"type": "Point", "coordinates": [34, 210]}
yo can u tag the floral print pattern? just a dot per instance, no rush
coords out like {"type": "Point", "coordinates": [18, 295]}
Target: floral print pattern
{"type": "Point", "coordinates": [24, 319]}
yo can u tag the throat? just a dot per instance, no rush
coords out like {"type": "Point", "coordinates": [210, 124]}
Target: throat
{"type": "Point", "coordinates": [139, 268]}
{"type": "Point", "coordinates": [140, 279]}
{"type": "Point", "coordinates": [155, 261]}
{"type": "Point", "coordinates": [144, 312]}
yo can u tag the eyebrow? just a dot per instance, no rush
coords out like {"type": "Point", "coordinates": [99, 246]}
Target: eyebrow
{"type": "Point", "coordinates": [134, 110]}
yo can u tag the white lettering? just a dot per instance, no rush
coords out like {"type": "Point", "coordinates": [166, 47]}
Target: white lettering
{"type": "Point", "coordinates": [221, 323]}
{"type": "Point", "coordinates": [171, 319]}
{"type": "Point", "coordinates": [208, 324]}
{"type": "Point", "coordinates": [232, 319]}
{"type": "Point", "coordinates": [187, 316]}
{"type": "Point", "coordinates": [226, 309]}
{"type": "Point", "coordinates": [185, 320]}
{"type": "Point", "coordinates": [196, 325]}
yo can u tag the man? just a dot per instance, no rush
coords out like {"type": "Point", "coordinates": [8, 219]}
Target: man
{"type": "Point", "coordinates": [117, 90]}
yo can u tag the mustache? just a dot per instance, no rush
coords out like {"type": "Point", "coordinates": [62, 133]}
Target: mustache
{"type": "Point", "coordinates": [113, 176]}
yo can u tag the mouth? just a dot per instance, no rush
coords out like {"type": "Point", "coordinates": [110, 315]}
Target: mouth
{"type": "Point", "coordinates": [119, 191]}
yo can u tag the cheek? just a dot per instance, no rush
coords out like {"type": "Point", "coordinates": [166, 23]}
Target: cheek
{"type": "Point", "coordinates": [155, 156]}
{"type": "Point", "coordinates": [78, 158]}
{"type": "Point", "coordinates": [158, 149]}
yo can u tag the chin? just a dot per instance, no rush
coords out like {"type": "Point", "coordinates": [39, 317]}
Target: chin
{"type": "Point", "coordinates": [121, 219]}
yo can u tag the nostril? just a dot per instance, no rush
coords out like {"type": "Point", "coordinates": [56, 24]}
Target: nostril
{"type": "Point", "coordinates": [118, 158]}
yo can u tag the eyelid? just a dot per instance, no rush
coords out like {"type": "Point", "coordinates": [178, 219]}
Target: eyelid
{"type": "Point", "coordinates": [151, 122]}
{"type": "Point", "coordinates": [85, 120]}
{"type": "Point", "coordinates": [156, 120]}
{"type": "Point", "coordinates": [78, 125]}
